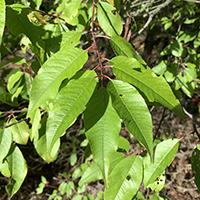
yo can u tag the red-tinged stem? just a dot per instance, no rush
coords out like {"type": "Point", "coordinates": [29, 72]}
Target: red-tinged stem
{"type": "Point", "coordinates": [104, 36]}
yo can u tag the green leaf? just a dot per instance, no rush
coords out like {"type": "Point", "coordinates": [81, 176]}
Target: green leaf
{"type": "Point", "coordinates": [35, 121]}
{"type": "Point", "coordinates": [63, 64]}
{"type": "Point", "coordinates": [4, 169]}
{"type": "Point", "coordinates": [163, 157]}
{"type": "Point", "coordinates": [16, 60]}
{"type": "Point", "coordinates": [115, 159]}
{"type": "Point", "coordinates": [17, 22]}
{"type": "Point", "coordinates": [122, 47]}
{"type": "Point", "coordinates": [71, 9]}
{"type": "Point", "coordinates": [13, 80]}
{"type": "Point", "coordinates": [70, 103]}
{"type": "Point", "coordinates": [190, 21]}
{"type": "Point", "coordinates": [2, 18]}
{"type": "Point", "coordinates": [153, 87]}
{"type": "Point", "coordinates": [158, 184]}
{"type": "Point", "coordinates": [73, 159]}
{"type": "Point", "coordinates": [110, 23]}
{"type": "Point", "coordinates": [196, 165]}
{"type": "Point", "coordinates": [40, 143]}
{"type": "Point", "coordinates": [92, 173]}
{"type": "Point", "coordinates": [132, 108]}
{"type": "Point", "coordinates": [102, 126]}
{"type": "Point", "coordinates": [125, 179]}
{"type": "Point", "coordinates": [70, 39]}
{"type": "Point", "coordinates": [18, 168]}
{"type": "Point", "coordinates": [20, 131]}
{"type": "Point", "coordinates": [5, 142]}
{"type": "Point", "coordinates": [161, 67]}
{"type": "Point", "coordinates": [37, 3]}
{"type": "Point", "coordinates": [123, 143]}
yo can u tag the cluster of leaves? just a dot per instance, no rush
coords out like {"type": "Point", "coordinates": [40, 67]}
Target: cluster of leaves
{"type": "Point", "coordinates": [52, 90]}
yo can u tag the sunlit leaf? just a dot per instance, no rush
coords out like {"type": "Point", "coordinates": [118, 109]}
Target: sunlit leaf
{"type": "Point", "coordinates": [153, 87]}
{"type": "Point", "coordinates": [125, 179]}
{"type": "Point", "coordinates": [63, 64]}
{"type": "Point", "coordinates": [110, 23]}
{"type": "Point", "coordinates": [5, 142]}
{"type": "Point", "coordinates": [163, 157]}
{"type": "Point", "coordinates": [20, 131]}
{"type": "Point", "coordinates": [92, 173]}
{"type": "Point", "coordinates": [102, 126]}
{"type": "Point", "coordinates": [18, 169]}
{"type": "Point", "coordinates": [122, 47]}
{"type": "Point", "coordinates": [132, 108]}
{"type": "Point", "coordinates": [69, 104]}
{"type": "Point", "coordinates": [2, 17]}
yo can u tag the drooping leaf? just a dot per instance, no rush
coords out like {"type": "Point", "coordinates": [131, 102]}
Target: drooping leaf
{"type": "Point", "coordinates": [153, 87]}
{"type": "Point", "coordinates": [102, 126]}
{"type": "Point", "coordinates": [125, 179]}
{"type": "Point", "coordinates": [2, 17]}
{"type": "Point", "coordinates": [110, 23]}
{"type": "Point", "coordinates": [20, 131]}
{"type": "Point", "coordinates": [63, 64]}
{"type": "Point", "coordinates": [195, 161]}
{"type": "Point", "coordinates": [70, 103]}
{"type": "Point", "coordinates": [132, 108]}
{"type": "Point", "coordinates": [18, 22]}
{"type": "Point", "coordinates": [5, 142]}
{"type": "Point", "coordinates": [18, 168]}
{"type": "Point", "coordinates": [163, 157]}
{"type": "Point", "coordinates": [92, 173]}
{"type": "Point", "coordinates": [40, 143]}
{"type": "Point", "coordinates": [122, 47]}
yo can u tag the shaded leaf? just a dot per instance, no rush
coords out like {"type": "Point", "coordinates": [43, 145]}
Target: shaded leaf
{"type": "Point", "coordinates": [18, 168]}
{"type": "Point", "coordinates": [63, 64]}
{"type": "Point", "coordinates": [110, 23]}
{"type": "Point", "coordinates": [125, 179]}
{"type": "Point", "coordinates": [102, 126]}
{"type": "Point", "coordinates": [132, 108]}
{"type": "Point", "coordinates": [18, 22]}
{"type": "Point", "coordinates": [163, 157]}
{"type": "Point", "coordinates": [153, 87]}
{"type": "Point", "coordinates": [195, 161]}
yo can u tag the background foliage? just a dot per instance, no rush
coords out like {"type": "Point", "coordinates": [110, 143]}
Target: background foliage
{"type": "Point", "coordinates": [53, 83]}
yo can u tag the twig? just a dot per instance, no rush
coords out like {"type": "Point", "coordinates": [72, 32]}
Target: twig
{"type": "Point", "coordinates": [194, 121]}
{"type": "Point", "coordinates": [6, 126]}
